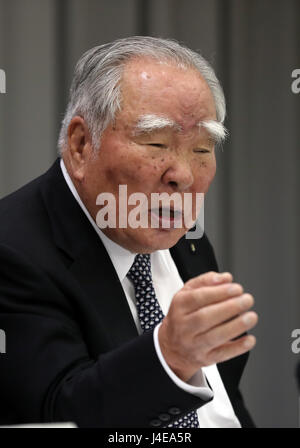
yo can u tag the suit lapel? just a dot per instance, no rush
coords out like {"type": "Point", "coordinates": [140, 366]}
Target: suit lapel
{"type": "Point", "coordinates": [89, 260]}
{"type": "Point", "coordinates": [97, 276]}
{"type": "Point", "coordinates": [193, 257]}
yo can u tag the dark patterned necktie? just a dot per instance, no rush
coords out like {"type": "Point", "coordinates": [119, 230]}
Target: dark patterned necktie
{"type": "Point", "coordinates": [150, 314]}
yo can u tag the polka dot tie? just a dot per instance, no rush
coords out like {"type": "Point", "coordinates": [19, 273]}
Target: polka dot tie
{"type": "Point", "coordinates": [150, 314]}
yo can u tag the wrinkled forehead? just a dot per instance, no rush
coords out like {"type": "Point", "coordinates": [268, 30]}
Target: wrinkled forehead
{"type": "Point", "coordinates": [164, 89]}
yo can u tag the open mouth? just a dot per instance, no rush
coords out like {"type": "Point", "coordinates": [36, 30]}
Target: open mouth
{"type": "Point", "coordinates": [166, 217]}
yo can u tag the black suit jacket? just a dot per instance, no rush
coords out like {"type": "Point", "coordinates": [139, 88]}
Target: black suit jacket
{"type": "Point", "coordinates": [72, 348]}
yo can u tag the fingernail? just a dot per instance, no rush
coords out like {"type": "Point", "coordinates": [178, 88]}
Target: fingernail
{"type": "Point", "coordinates": [249, 342]}
{"type": "Point", "coordinates": [245, 300]}
{"type": "Point", "coordinates": [249, 318]}
{"type": "Point", "coordinates": [234, 289]}
{"type": "Point", "coordinates": [217, 278]}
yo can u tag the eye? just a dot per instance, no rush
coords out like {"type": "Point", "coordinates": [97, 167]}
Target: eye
{"type": "Point", "coordinates": [157, 145]}
{"type": "Point", "coordinates": [202, 151]}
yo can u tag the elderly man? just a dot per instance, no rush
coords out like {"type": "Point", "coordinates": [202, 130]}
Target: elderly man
{"type": "Point", "coordinates": [123, 325]}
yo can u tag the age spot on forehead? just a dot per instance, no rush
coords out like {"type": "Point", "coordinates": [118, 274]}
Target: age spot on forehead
{"type": "Point", "coordinates": [145, 75]}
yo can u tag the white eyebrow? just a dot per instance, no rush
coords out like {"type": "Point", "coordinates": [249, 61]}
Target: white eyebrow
{"type": "Point", "coordinates": [151, 122]}
{"type": "Point", "coordinates": [216, 129]}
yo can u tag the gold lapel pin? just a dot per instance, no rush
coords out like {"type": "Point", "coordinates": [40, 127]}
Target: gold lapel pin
{"type": "Point", "coordinates": [193, 248]}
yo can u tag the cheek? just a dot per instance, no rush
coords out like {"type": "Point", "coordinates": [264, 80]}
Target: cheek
{"type": "Point", "coordinates": [136, 170]}
{"type": "Point", "coordinates": [146, 168]}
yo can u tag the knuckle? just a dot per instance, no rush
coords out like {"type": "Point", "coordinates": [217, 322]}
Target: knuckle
{"type": "Point", "coordinates": [195, 297]}
{"type": "Point", "coordinates": [190, 282]}
{"type": "Point", "coordinates": [179, 299]}
{"type": "Point", "coordinates": [229, 275]}
{"type": "Point", "coordinates": [240, 303]}
{"type": "Point", "coordinates": [202, 292]}
{"type": "Point", "coordinates": [233, 308]}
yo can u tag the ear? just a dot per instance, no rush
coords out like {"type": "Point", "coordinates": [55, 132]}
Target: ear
{"type": "Point", "coordinates": [79, 146]}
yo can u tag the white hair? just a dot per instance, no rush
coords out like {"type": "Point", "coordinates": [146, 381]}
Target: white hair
{"type": "Point", "coordinates": [216, 129]}
{"type": "Point", "coordinates": [153, 122]}
{"type": "Point", "coordinates": [95, 91]}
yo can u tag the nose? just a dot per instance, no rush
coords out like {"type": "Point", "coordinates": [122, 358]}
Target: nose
{"type": "Point", "coordinates": [179, 176]}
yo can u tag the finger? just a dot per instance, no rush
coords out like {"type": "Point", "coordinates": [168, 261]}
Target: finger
{"type": "Point", "coordinates": [208, 317]}
{"type": "Point", "coordinates": [193, 299]}
{"type": "Point", "coordinates": [231, 349]}
{"type": "Point", "coordinates": [224, 333]}
{"type": "Point", "coordinates": [208, 279]}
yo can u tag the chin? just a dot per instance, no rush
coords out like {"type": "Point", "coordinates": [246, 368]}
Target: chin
{"type": "Point", "coordinates": [160, 240]}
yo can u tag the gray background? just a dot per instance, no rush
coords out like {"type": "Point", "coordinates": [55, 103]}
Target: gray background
{"type": "Point", "coordinates": [252, 210]}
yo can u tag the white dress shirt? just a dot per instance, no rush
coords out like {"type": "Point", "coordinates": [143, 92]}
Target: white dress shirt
{"type": "Point", "coordinates": [218, 413]}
